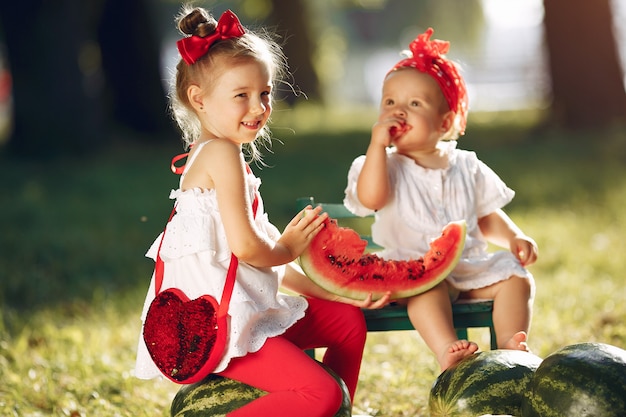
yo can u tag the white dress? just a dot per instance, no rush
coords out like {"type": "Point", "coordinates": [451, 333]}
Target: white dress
{"type": "Point", "coordinates": [425, 200]}
{"type": "Point", "coordinates": [196, 258]}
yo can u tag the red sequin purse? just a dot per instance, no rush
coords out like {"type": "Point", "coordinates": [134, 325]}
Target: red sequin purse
{"type": "Point", "coordinates": [186, 338]}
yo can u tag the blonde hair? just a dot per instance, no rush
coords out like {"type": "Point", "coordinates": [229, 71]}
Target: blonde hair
{"type": "Point", "coordinates": [259, 47]}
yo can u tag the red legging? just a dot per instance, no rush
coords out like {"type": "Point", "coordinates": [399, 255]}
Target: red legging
{"type": "Point", "coordinates": [296, 385]}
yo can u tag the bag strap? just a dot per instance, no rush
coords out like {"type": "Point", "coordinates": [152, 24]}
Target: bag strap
{"type": "Point", "coordinates": [232, 267]}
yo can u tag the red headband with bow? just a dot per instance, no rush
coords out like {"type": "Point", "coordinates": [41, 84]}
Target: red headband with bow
{"type": "Point", "coordinates": [428, 57]}
{"type": "Point", "coordinates": [194, 47]}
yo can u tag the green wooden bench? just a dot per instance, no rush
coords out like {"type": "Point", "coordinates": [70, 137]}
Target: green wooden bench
{"type": "Point", "coordinates": [474, 314]}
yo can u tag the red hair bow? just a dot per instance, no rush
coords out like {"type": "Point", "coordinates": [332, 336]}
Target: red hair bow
{"type": "Point", "coordinates": [428, 57]}
{"type": "Point", "coordinates": [194, 47]}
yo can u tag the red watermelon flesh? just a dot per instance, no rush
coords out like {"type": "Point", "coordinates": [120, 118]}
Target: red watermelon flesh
{"type": "Point", "coordinates": [336, 261]}
{"type": "Point", "coordinates": [396, 132]}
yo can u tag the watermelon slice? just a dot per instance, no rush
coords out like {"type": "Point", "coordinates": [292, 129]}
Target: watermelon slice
{"type": "Point", "coordinates": [336, 261]}
{"type": "Point", "coordinates": [396, 132]}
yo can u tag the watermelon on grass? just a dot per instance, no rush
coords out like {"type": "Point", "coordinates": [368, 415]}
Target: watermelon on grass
{"type": "Point", "coordinates": [490, 382]}
{"type": "Point", "coordinates": [216, 396]}
{"type": "Point", "coordinates": [336, 261]}
{"type": "Point", "coordinates": [583, 380]}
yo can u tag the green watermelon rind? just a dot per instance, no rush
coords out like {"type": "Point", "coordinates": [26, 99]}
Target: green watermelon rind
{"type": "Point", "coordinates": [214, 396]}
{"type": "Point", "coordinates": [491, 382]}
{"type": "Point", "coordinates": [421, 285]}
{"type": "Point", "coordinates": [584, 379]}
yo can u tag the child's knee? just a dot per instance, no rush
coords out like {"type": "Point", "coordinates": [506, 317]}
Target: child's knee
{"type": "Point", "coordinates": [326, 391]}
{"type": "Point", "coordinates": [524, 286]}
{"type": "Point", "coordinates": [343, 323]}
{"type": "Point", "coordinates": [335, 398]}
{"type": "Point", "coordinates": [355, 320]}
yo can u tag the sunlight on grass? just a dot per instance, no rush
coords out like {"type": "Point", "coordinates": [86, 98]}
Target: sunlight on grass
{"type": "Point", "coordinates": [75, 276]}
{"type": "Point", "coordinates": [78, 364]}
{"type": "Point", "coordinates": [397, 370]}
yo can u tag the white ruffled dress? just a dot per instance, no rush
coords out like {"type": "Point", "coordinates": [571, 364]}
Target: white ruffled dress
{"type": "Point", "coordinates": [196, 256]}
{"type": "Point", "coordinates": [425, 200]}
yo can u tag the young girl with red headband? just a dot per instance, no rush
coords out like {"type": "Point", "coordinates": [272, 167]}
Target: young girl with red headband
{"type": "Point", "coordinates": [222, 102]}
{"type": "Point", "coordinates": [416, 181]}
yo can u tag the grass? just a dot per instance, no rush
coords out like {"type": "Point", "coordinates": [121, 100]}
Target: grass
{"type": "Point", "coordinates": [73, 274]}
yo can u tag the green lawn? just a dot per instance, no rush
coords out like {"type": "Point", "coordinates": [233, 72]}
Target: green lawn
{"type": "Point", "coordinates": [73, 275]}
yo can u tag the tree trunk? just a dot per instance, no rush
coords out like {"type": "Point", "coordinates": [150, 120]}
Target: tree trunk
{"type": "Point", "coordinates": [62, 72]}
{"type": "Point", "coordinates": [587, 79]}
{"type": "Point", "coordinates": [55, 104]}
{"type": "Point", "coordinates": [131, 61]}
{"type": "Point", "coordinates": [292, 20]}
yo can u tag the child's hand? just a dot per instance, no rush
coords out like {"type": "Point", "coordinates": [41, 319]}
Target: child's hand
{"type": "Point", "coordinates": [384, 132]}
{"type": "Point", "coordinates": [302, 229]}
{"type": "Point", "coordinates": [367, 303]}
{"type": "Point", "coordinates": [525, 249]}
{"type": "Point", "coordinates": [374, 305]}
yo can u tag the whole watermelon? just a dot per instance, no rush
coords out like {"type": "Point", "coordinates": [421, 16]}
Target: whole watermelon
{"type": "Point", "coordinates": [490, 382]}
{"type": "Point", "coordinates": [216, 396]}
{"type": "Point", "coordinates": [583, 380]}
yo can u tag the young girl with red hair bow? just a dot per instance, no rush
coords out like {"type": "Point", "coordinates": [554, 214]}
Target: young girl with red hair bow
{"type": "Point", "coordinates": [222, 102]}
{"type": "Point", "coordinates": [416, 181]}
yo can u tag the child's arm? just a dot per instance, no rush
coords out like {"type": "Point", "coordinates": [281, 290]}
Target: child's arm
{"type": "Point", "coordinates": [224, 166]}
{"type": "Point", "coordinates": [499, 229]}
{"type": "Point", "coordinates": [296, 281]}
{"type": "Point", "coordinates": [373, 187]}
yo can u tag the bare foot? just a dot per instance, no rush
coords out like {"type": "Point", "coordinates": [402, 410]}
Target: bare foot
{"type": "Point", "coordinates": [518, 342]}
{"type": "Point", "coordinates": [456, 351]}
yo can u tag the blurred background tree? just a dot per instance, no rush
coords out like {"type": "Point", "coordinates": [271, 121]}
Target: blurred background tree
{"type": "Point", "coordinates": [79, 71]}
{"type": "Point", "coordinates": [587, 79]}
{"type": "Point", "coordinates": [290, 17]}
{"type": "Point", "coordinates": [85, 73]}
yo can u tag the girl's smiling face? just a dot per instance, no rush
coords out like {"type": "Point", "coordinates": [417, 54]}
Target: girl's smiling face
{"type": "Point", "coordinates": [415, 99]}
{"type": "Point", "coordinates": [236, 104]}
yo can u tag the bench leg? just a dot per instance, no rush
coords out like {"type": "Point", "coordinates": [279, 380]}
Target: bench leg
{"type": "Point", "coordinates": [461, 333]}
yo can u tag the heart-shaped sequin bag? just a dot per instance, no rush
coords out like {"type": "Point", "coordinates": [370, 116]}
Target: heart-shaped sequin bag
{"type": "Point", "coordinates": [186, 338]}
